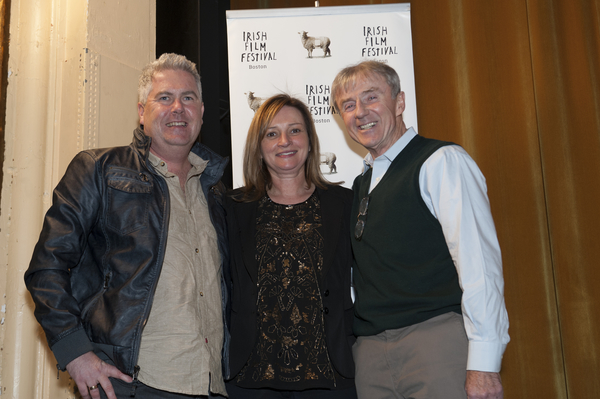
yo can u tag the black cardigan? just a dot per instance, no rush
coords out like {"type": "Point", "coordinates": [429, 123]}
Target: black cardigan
{"type": "Point", "coordinates": [335, 286]}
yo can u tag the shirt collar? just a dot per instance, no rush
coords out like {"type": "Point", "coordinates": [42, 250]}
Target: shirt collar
{"type": "Point", "coordinates": [198, 164]}
{"type": "Point", "coordinates": [392, 152]}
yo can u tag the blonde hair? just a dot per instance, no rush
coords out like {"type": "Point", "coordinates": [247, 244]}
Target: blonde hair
{"type": "Point", "coordinates": [257, 178]}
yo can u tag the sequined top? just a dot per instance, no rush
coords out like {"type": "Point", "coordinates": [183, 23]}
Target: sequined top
{"type": "Point", "coordinates": [290, 352]}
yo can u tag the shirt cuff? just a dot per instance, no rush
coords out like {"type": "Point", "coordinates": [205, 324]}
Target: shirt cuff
{"type": "Point", "coordinates": [485, 356]}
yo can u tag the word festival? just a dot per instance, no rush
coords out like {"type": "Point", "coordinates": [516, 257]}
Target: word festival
{"type": "Point", "coordinates": [255, 47]}
{"type": "Point", "coordinates": [317, 98]}
{"type": "Point", "coordinates": [376, 42]}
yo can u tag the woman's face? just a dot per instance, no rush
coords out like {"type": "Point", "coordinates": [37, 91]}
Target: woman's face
{"type": "Point", "coordinates": [285, 145]}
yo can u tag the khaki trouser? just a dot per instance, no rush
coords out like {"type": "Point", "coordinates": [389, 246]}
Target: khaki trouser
{"type": "Point", "coordinates": [427, 360]}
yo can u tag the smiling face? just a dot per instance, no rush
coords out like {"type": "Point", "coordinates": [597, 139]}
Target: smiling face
{"type": "Point", "coordinates": [285, 144]}
{"type": "Point", "coordinates": [372, 117]}
{"type": "Point", "coordinates": [172, 115]}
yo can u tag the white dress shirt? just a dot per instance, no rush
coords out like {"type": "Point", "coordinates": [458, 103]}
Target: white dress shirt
{"type": "Point", "coordinates": [455, 192]}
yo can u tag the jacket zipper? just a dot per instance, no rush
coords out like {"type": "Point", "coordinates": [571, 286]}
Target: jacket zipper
{"type": "Point", "coordinates": [163, 243]}
{"type": "Point", "coordinates": [136, 372]}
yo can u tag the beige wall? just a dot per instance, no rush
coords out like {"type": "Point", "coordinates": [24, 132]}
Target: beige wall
{"type": "Point", "coordinates": [72, 78]}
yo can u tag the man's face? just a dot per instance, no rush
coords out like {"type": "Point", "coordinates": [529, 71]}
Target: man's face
{"type": "Point", "coordinates": [373, 118]}
{"type": "Point", "coordinates": [173, 112]}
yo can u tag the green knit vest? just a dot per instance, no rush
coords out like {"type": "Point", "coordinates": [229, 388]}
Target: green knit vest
{"type": "Point", "coordinates": [404, 273]}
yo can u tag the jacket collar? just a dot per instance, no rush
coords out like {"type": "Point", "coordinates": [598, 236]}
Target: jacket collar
{"type": "Point", "coordinates": [216, 163]}
{"type": "Point", "coordinates": [141, 142]}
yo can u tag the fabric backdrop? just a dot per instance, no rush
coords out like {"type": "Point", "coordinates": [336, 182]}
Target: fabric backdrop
{"type": "Point", "coordinates": [517, 83]}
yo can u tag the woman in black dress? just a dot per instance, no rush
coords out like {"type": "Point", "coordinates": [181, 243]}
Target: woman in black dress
{"type": "Point", "coordinates": [289, 233]}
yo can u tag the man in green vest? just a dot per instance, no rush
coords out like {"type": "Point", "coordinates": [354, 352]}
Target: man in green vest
{"type": "Point", "coordinates": [429, 312]}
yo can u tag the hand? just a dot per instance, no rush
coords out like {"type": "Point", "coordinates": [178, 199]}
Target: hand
{"type": "Point", "coordinates": [483, 385]}
{"type": "Point", "coordinates": [88, 370]}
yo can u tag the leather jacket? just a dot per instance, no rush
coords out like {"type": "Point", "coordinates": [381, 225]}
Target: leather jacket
{"type": "Point", "coordinates": [95, 267]}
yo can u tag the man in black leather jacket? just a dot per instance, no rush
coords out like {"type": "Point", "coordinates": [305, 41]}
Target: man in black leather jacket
{"type": "Point", "coordinates": [114, 246]}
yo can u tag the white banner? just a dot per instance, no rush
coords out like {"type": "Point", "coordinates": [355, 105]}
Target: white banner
{"type": "Point", "coordinates": [299, 51]}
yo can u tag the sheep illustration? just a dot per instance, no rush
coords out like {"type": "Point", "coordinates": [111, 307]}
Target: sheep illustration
{"type": "Point", "coordinates": [254, 102]}
{"type": "Point", "coordinates": [329, 158]}
{"type": "Point", "coordinates": [310, 43]}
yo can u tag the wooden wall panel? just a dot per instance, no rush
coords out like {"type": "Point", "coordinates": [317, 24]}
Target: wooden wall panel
{"type": "Point", "coordinates": [517, 83]}
{"type": "Point", "coordinates": [474, 87]}
{"type": "Point", "coordinates": [565, 37]}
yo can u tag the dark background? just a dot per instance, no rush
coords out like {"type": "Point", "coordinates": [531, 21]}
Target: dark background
{"type": "Point", "coordinates": [185, 29]}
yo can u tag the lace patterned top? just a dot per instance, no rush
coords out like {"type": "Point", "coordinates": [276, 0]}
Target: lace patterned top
{"type": "Point", "coordinates": [290, 352]}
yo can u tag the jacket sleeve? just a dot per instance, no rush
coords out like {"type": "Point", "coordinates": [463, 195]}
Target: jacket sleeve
{"type": "Point", "coordinates": [75, 207]}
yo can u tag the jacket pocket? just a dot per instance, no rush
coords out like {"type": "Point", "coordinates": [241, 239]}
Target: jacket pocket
{"type": "Point", "coordinates": [129, 193]}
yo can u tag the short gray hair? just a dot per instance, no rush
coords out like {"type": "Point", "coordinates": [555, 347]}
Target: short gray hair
{"type": "Point", "coordinates": [166, 62]}
{"type": "Point", "coordinates": [348, 76]}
